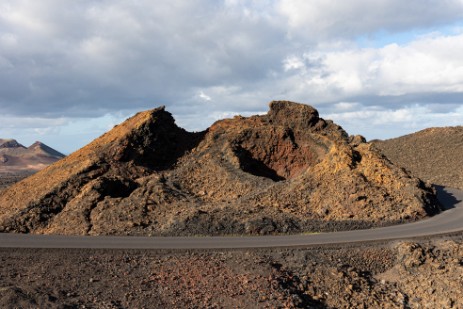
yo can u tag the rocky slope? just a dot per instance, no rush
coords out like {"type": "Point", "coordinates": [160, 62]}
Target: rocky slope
{"type": "Point", "coordinates": [433, 154]}
{"type": "Point", "coordinates": [18, 159]}
{"type": "Point", "coordinates": [286, 171]}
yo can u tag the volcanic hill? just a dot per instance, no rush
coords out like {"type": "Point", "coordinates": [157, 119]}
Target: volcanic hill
{"type": "Point", "coordinates": [286, 171]}
{"type": "Point", "coordinates": [434, 154]}
{"type": "Point", "coordinates": [16, 158]}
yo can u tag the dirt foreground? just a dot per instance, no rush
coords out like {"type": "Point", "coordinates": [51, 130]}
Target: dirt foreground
{"type": "Point", "coordinates": [415, 274]}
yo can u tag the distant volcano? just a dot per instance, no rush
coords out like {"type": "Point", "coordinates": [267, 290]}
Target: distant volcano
{"type": "Point", "coordinates": [286, 171]}
{"type": "Point", "coordinates": [14, 157]}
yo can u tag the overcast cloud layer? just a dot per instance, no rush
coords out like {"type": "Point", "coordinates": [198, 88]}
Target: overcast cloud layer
{"type": "Point", "coordinates": [69, 70]}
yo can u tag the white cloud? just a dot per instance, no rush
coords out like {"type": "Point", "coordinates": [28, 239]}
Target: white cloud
{"type": "Point", "coordinates": [422, 66]}
{"type": "Point", "coordinates": [346, 106]}
{"type": "Point", "coordinates": [378, 122]}
{"type": "Point", "coordinates": [117, 53]}
{"type": "Point", "coordinates": [327, 19]}
{"type": "Point", "coordinates": [204, 96]}
{"type": "Point", "coordinates": [293, 63]}
{"type": "Point", "coordinates": [87, 59]}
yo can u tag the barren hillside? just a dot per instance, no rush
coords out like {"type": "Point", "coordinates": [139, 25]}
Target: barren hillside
{"type": "Point", "coordinates": [286, 171]}
{"type": "Point", "coordinates": [434, 154]}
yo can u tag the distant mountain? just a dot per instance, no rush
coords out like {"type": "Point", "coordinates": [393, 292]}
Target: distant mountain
{"type": "Point", "coordinates": [40, 148]}
{"type": "Point", "coordinates": [15, 158]}
{"type": "Point", "coordinates": [10, 143]}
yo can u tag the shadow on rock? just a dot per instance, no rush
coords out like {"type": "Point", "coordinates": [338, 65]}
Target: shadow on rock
{"type": "Point", "coordinates": [447, 199]}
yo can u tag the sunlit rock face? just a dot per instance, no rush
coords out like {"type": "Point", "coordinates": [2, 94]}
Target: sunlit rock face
{"type": "Point", "coordinates": [286, 171]}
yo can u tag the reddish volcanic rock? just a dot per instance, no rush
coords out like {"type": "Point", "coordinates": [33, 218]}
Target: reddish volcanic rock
{"type": "Point", "coordinates": [286, 171]}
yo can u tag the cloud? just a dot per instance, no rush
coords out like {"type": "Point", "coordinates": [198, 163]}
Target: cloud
{"type": "Point", "coordinates": [328, 19]}
{"type": "Point", "coordinates": [115, 53]}
{"type": "Point", "coordinates": [429, 65]}
{"type": "Point", "coordinates": [87, 59]}
{"type": "Point", "coordinates": [379, 122]}
{"type": "Point", "coordinates": [28, 122]}
{"type": "Point", "coordinates": [204, 96]}
{"type": "Point", "coordinates": [346, 106]}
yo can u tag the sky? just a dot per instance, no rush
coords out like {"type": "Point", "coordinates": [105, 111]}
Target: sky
{"type": "Point", "coordinates": [71, 70]}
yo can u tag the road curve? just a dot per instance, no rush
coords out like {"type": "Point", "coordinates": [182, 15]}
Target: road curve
{"type": "Point", "coordinates": [448, 221]}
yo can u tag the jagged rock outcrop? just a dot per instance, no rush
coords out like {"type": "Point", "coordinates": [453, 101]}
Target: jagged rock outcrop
{"type": "Point", "coordinates": [286, 171]}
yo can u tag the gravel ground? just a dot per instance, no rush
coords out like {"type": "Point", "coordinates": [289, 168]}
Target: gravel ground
{"type": "Point", "coordinates": [343, 276]}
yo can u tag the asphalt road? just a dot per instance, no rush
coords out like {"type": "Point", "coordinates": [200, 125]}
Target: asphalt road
{"type": "Point", "coordinates": [448, 221]}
